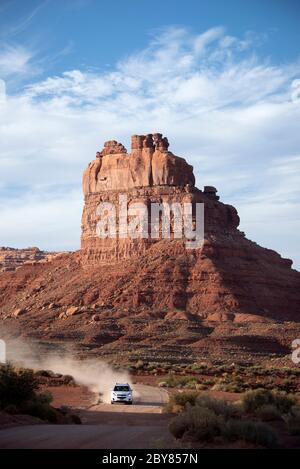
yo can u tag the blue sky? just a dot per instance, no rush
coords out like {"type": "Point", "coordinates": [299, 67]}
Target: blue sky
{"type": "Point", "coordinates": [97, 33]}
{"type": "Point", "coordinates": [220, 79]}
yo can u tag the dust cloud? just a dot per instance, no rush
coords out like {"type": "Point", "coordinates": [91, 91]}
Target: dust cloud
{"type": "Point", "coordinates": [94, 373]}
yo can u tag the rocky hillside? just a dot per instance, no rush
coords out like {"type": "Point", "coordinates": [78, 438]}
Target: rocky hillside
{"type": "Point", "coordinates": [11, 258]}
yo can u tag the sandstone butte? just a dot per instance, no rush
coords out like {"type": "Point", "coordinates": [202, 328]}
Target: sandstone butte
{"type": "Point", "coordinates": [131, 285]}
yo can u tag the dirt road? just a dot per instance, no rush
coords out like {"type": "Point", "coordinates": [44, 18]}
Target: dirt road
{"type": "Point", "coordinates": [142, 425]}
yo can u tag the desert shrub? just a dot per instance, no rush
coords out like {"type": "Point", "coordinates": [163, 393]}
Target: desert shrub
{"type": "Point", "coordinates": [47, 374]}
{"type": "Point", "coordinates": [198, 422]}
{"type": "Point", "coordinates": [18, 396]}
{"type": "Point", "coordinates": [292, 421]}
{"type": "Point", "coordinates": [151, 366]}
{"type": "Point", "coordinates": [201, 386]}
{"type": "Point", "coordinates": [16, 386]}
{"type": "Point", "coordinates": [254, 400]}
{"type": "Point", "coordinates": [268, 412]}
{"type": "Point", "coordinates": [252, 432]}
{"type": "Point", "coordinates": [290, 371]}
{"type": "Point", "coordinates": [175, 381]}
{"type": "Point", "coordinates": [68, 380]}
{"type": "Point", "coordinates": [218, 406]}
{"type": "Point", "coordinates": [199, 367]}
{"type": "Point", "coordinates": [203, 418]}
{"type": "Point", "coordinates": [42, 411]}
{"type": "Point", "coordinates": [44, 398]}
{"type": "Point", "coordinates": [257, 370]}
{"type": "Point", "coordinates": [228, 384]}
{"type": "Point", "coordinates": [179, 425]}
{"type": "Point", "coordinates": [209, 382]}
{"type": "Point", "coordinates": [191, 384]}
{"type": "Point", "coordinates": [178, 402]}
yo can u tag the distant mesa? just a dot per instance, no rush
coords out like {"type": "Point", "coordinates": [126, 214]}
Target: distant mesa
{"type": "Point", "coordinates": [12, 258]}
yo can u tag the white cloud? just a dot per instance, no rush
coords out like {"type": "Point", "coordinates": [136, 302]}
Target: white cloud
{"type": "Point", "coordinates": [209, 36]}
{"type": "Point", "coordinates": [235, 117]}
{"type": "Point", "coordinates": [14, 60]}
{"type": "Point", "coordinates": [36, 220]}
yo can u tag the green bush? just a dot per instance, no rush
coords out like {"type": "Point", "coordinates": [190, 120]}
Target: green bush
{"type": "Point", "coordinates": [293, 421]}
{"type": "Point", "coordinates": [191, 384]}
{"type": "Point", "coordinates": [179, 425]}
{"type": "Point", "coordinates": [218, 406]}
{"type": "Point", "coordinates": [203, 418]}
{"type": "Point", "coordinates": [174, 381]}
{"type": "Point", "coordinates": [68, 380]}
{"type": "Point", "coordinates": [198, 422]}
{"type": "Point", "coordinates": [18, 396]}
{"type": "Point", "coordinates": [42, 411]}
{"type": "Point", "coordinates": [268, 412]}
{"type": "Point", "coordinates": [16, 386]}
{"type": "Point", "coordinates": [230, 383]}
{"type": "Point", "coordinates": [252, 432]}
{"type": "Point", "coordinates": [178, 402]}
{"type": "Point", "coordinates": [44, 398]}
{"type": "Point", "coordinates": [199, 367]}
{"type": "Point", "coordinates": [228, 387]}
{"type": "Point", "coordinates": [254, 400]}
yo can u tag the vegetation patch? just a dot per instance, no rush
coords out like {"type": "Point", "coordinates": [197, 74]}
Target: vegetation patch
{"type": "Point", "coordinates": [201, 418]}
{"type": "Point", "coordinates": [19, 395]}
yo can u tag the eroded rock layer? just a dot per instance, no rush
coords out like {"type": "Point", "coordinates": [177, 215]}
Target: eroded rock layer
{"type": "Point", "coordinates": [149, 174]}
{"type": "Point", "coordinates": [12, 258]}
{"type": "Point", "coordinates": [228, 277]}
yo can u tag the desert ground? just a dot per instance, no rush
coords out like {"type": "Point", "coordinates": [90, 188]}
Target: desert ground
{"type": "Point", "coordinates": [141, 425]}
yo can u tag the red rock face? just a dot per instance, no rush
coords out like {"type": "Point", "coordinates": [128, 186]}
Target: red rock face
{"type": "Point", "coordinates": [149, 164]}
{"type": "Point", "coordinates": [229, 277]}
{"type": "Point", "coordinates": [149, 174]}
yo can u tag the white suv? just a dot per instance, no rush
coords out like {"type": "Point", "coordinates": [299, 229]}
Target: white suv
{"type": "Point", "coordinates": [121, 393]}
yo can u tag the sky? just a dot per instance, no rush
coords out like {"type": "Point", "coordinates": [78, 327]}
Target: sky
{"type": "Point", "coordinates": [220, 79]}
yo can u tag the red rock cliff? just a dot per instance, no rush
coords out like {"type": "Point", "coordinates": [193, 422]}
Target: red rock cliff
{"type": "Point", "coordinates": [149, 174]}
{"type": "Point", "coordinates": [228, 275]}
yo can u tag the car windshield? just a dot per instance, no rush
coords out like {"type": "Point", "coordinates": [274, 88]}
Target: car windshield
{"type": "Point", "coordinates": [122, 388]}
